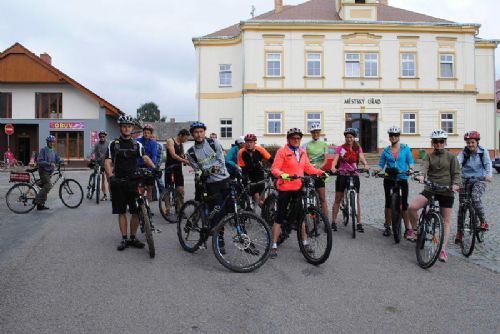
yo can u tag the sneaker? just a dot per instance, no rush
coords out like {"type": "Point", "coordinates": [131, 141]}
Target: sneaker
{"type": "Point", "coordinates": [308, 249]}
{"type": "Point", "coordinates": [410, 235]}
{"type": "Point", "coordinates": [274, 253]}
{"type": "Point", "coordinates": [360, 228]}
{"type": "Point", "coordinates": [222, 245]}
{"type": "Point", "coordinates": [484, 226]}
{"type": "Point", "coordinates": [334, 227]}
{"type": "Point", "coordinates": [104, 198]}
{"type": "Point", "coordinates": [123, 244]}
{"type": "Point", "coordinates": [387, 231]}
{"type": "Point", "coordinates": [41, 207]}
{"type": "Point", "coordinates": [458, 237]}
{"type": "Point", "coordinates": [443, 257]}
{"type": "Point", "coordinates": [135, 243]}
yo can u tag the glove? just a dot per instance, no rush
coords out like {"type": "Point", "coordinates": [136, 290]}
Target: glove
{"type": "Point", "coordinates": [285, 176]}
{"type": "Point", "coordinates": [325, 177]}
{"type": "Point", "coordinates": [198, 173]}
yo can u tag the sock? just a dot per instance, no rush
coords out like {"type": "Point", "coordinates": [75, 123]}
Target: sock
{"type": "Point", "coordinates": [132, 237]}
{"type": "Point", "coordinates": [305, 242]}
{"type": "Point", "coordinates": [275, 245]}
{"type": "Point", "coordinates": [124, 237]}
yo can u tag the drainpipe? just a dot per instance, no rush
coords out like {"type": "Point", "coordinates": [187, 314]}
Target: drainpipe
{"type": "Point", "coordinates": [243, 84]}
{"type": "Point", "coordinates": [199, 83]}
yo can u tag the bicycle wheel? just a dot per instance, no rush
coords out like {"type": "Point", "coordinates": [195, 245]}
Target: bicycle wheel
{"type": "Point", "coordinates": [270, 209]}
{"type": "Point", "coordinates": [352, 204]}
{"type": "Point", "coordinates": [479, 232]}
{"type": "Point", "coordinates": [315, 229]}
{"type": "Point", "coordinates": [344, 207]}
{"type": "Point", "coordinates": [91, 186]}
{"type": "Point", "coordinates": [98, 189]}
{"type": "Point", "coordinates": [71, 193]}
{"type": "Point", "coordinates": [242, 241]}
{"type": "Point", "coordinates": [167, 205]}
{"type": "Point", "coordinates": [21, 198]}
{"type": "Point", "coordinates": [396, 216]}
{"type": "Point", "coordinates": [189, 226]}
{"type": "Point", "coordinates": [469, 230]}
{"type": "Point", "coordinates": [430, 240]}
{"type": "Point", "coordinates": [148, 231]}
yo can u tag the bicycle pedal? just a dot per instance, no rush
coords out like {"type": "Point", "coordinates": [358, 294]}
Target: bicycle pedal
{"type": "Point", "coordinates": [157, 230]}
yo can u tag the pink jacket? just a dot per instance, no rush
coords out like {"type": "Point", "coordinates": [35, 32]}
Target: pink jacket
{"type": "Point", "coordinates": [286, 162]}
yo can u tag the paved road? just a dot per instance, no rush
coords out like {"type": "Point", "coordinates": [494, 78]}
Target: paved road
{"type": "Point", "coordinates": [60, 273]}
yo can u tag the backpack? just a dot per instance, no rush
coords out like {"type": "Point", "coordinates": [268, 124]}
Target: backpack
{"type": "Point", "coordinates": [191, 153]}
{"type": "Point", "coordinates": [135, 147]}
{"type": "Point", "coordinates": [354, 150]}
{"type": "Point", "coordinates": [467, 157]}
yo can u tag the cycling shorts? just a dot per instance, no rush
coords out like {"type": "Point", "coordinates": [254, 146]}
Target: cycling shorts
{"type": "Point", "coordinates": [284, 198]}
{"type": "Point", "coordinates": [122, 195]}
{"type": "Point", "coordinates": [254, 178]}
{"type": "Point", "coordinates": [178, 176]}
{"type": "Point", "coordinates": [342, 182]}
{"type": "Point", "coordinates": [318, 183]}
{"type": "Point", "coordinates": [444, 201]}
{"type": "Point", "coordinates": [404, 191]}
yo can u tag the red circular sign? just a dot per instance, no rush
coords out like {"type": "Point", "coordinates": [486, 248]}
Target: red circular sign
{"type": "Point", "coordinates": [9, 129]}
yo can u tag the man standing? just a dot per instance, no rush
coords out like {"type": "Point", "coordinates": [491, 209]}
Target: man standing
{"type": "Point", "coordinates": [47, 160]}
{"type": "Point", "coordinates": [174, 161]}
{"type": "Point", "coordinates": [151, 150]}
{"type": "Point", "coordinates": [100, 149]}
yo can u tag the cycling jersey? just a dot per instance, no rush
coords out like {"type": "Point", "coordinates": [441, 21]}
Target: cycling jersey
{"type": "Point", "coordinates": [179, 150]}
{"type": "Point", "coordinates": [125, 159]}
{"type": "Point", "coordinates": [316, 152]}
{"type": "Point", "coordinates": [401, 162]}
{"type": "Point", "coordinates": [100, 149]}
{"type": "Point", "coordinates": [150, 148]}
{"type": "Point", "coordinates": [251, 161]}
{"type": "Point", "coordinates": [442, 167]}
{"type": "Point", "coordinates": [348, 158]}
{"type": "Point", "coordinates": [232, 159]}
{"type": "Point", "coordinates": [202, 156]}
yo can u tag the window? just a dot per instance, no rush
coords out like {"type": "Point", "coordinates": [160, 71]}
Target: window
{"type": "Point", "coordinates": [312, 118]}
{"type": "Point", "coordinates": [273, 64]}
{"type": "Point", "coordinates": [448, 122]}
{"type": "Point", "coordinates": [225, 75]}
{"type": "Point", "coordinates": [48, 105]}
{"type": "Point", "coordinates": [408, 65]}
{"type": "Point", "coordinates": [409, 123]}
{"type": "Point", "coordinates": [274, 122]}
{"type": "Point", "coordinates": [360, 1]}
{"type": "Point", "coordinates": [69, 144]}
{"type": "Point", "coordinates": [352, 62]}
{"type": "Point", "coordinates": [446, 66]}
{"type": "Point", "coordinates": [5, 105]}
{"type": "Point", "coordinates": [371, 65]}
{"type": "Point", "coordinates": [226, 128]}
{"type": "Point", "coordinates": [313, 64]}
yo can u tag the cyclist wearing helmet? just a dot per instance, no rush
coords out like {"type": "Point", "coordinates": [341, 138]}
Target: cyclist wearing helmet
{"type": "Point", "coordinates": [476, 163]}
{"type": "Point", "coordinates": [250, 159]}
{"type": "Point", "coordinates": [175, 159]}
{"type": "Point", "coordinates": [99, 153]}
{"type": "Point", "coordinates": [232, 156]}
{"type": "Point", "coordinates": [290, 160]}
{"type": "Point", "coordinates": [347, 157]}
{"type": "Point", "coordinates": [151, 148]}
{"type": "Point", "coordinates": [316, 151]}
{"type": "Point", "coordinates": [441, 167]}
{"type": "Point", "coordinates": [397, 160]}
{"type": "Point", "coordinates": [47, 160]}
{"type": "Point", "coordinates": [121, 163]}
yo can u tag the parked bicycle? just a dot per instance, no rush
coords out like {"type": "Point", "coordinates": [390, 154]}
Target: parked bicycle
{"type": "Point", "coordinates": [241, 241]}
{"type": "Point", "coordinates": [469, 220]}
{"type": "Point", "coordinates": [20, 197]}
{"type": "Point", "coordinates": [94, 185]}
{"type": "Point", "coordinates": [170, 201]}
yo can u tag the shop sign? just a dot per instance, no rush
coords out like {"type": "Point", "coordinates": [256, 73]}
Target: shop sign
{"type": "Point", "coordinates": [369, 100]}
{"type": "Point", "coordinates": [67, 125]}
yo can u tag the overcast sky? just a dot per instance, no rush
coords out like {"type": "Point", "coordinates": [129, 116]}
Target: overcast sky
{"type": "Point", "coordinates": [131, 52]}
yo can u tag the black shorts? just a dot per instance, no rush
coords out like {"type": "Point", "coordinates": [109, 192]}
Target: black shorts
{"type": "Point", "coordinates": [178, 176]}
{"type": "Point", "coordinates": [404, 190]}
{"type": "Point", "coordinates": [444, 201]}
{"type": "Point", "coordinates": [284, 198]}
{"type": "Point", "coordinates": [254, 178]}
{"type": "Point", "coordinates": [342, 183]}
{"type": "Point", "coordinates": [318, 183]}
{"type": "Point", "coordinates": [122, 195]}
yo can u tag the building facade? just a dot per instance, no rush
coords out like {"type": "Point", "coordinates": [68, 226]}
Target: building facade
{"type": "Point", "coordinates": [39, 100]}
{"type": "Point", "coordinates": [347, 63]}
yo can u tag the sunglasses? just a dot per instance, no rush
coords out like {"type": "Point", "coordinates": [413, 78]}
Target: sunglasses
{"type": "Point", "coordinates": [393, 134]}
{"type": "Point", "coordinates": [102, 136]}
{"type": "Point", "coordinates": [296, 138]}
{"type": "Point", "coordinates": [438, 141]}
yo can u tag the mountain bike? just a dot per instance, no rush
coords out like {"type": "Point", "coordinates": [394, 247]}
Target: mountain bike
{"type": "Point", "coordinates": [430, 230]}
{"type": "Point", "coordinates": [469, 220]}
{"type": "Point", "coordinates": [170, 201]}
{"type": "Point", "coordinates": [241, 241]}
{"type": "Point", "coordinates": [94, 185]}
{"type": "Point", "coordinates": [245, 197]}
{"type": "Point", "coordinates": [270, 195]}
{"type": "Point", "coordinates": [20, 197]}
{"type": "Point", "coordinates": [304, 215]}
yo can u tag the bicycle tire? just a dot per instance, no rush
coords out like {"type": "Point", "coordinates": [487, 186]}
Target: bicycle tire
{"type": "Point", "coordinates": [74, 189]}
{"type": "Point", "coordinates": [479, 232]}
{"type": "Point", "coordinates": [190, 222]}
{"type": "Point", "coordinates": [26, 196]}
{"type": "Point", "coordinates": [91, 186]}
{"type": "Point", "coordinates": [396, 216]}
{"type": "Point", "coordinates": [270, 209]}
{"type": "Point", "coordinates": [98, 189]}
{"type": "Point", "coordinates": [315, 225]}
{"type": "Point", "coordinates": [352, 204]}
{"type": "Point", "coordinates": [469, 224]}
{"type": "Point", "coordinates": [148, 231]}
{"type": "Point", "coordinates": [253, 249]}
{"type": "Point", "coordinates": [431, 224]}
{"type": "Point", "coordinates": [344, 207]}
{"type": "Point", "coordinates": [166, 204]}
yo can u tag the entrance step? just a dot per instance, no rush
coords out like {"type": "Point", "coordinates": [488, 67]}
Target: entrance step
{"type": "Point", "coordinates": [372, 159]}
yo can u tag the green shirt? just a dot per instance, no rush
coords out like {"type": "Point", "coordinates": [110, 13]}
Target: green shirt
{"type": "Point", "coordinates": [316, 151]}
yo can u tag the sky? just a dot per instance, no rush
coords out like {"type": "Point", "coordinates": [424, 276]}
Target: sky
{"type": "Point", "coordinates": [131, 52]}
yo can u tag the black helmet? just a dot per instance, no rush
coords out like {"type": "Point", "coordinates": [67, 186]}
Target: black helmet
{"type": "Point", "coordinates": [197, 125]}
{"type": "Point", "coordinates": [183, 132]}
{"type": "Point", "coordinates": [126, 119]}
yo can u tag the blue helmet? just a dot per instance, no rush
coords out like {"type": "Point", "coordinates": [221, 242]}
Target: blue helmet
{"type": "Point", "coordinates": [50, 139]}
{"type": "Point", "coordinates": [197, 125]}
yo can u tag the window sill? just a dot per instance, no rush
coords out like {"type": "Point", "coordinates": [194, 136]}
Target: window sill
{"type": "Point", "coordinates": [225, 86]}
{"type": "Point", "coordinates": [314, 78]}
{"type": "Point", "coordinates": [447, 79]}
{"type": "Point", "coordinates": [362, 78]}
{"type": "Point", "coordinates": [273, 78]}
{"type": "Point", "coordinates": [409, 78]}
{"type": "Point", "coordinates": [453, 135]}
{"type": "Point", "coordinates": [274, 134]}
{"type": "Point", "coordinates": [410, 135]}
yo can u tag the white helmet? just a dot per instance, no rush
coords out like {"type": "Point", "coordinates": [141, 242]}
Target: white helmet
{"type": "Point", "coordinates": [315, 127]}
{"type": "Point", "coordinates": [394, 129]}
{"type": "Point", "coordinates": [439, 134]}
{"type": "Point", "coordinates": [240, 140]}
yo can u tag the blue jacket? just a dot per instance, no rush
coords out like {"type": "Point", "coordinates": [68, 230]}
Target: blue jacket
{"type": "Point", "coordinates": [46, 157]}
{"type": "Point", "coordinates": [474, 166]}
{"type": "Point", "coordinates": [403, 163]}
{"type": "Point", "coordinates": [232, 159]}
{"type": "Point", "coordinates": [151, 149]}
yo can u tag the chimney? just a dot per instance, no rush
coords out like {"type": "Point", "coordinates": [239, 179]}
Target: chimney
{"type": "Point", "coordinates": [278, 6]}
{"type": "Point", "coordinates": [46, 58]}
{"type": "Point", "coordinates": [384, 2]}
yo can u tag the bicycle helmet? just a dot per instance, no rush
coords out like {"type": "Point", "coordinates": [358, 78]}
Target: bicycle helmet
{"type": "Point", "coordinates": [439, 134]}
{"type": "Point", "coordinates": [126, 119]}
{"type": "Point", "coordinates": [315, 127]}
{"type": "Point", "coordinates": [394, 129]}
{"type": "Point", "coordinates": [240, 140]}
{"type": "Point", "coordinates": [102, 132]}
{"type": "Point", "coordinates": [148, 127]}
{"type": "Point", "coordinates": [250, 137]}
{"type": "Point", "coordinates": [50, 139]}
{"type": "Point", "coordinates": [472, 135]}
{"type": "Point", "coordinates": [183, 132]}
{"type": "Point", "coordinates": [294, 131]}
{"type": "Point", "coordinates": [197, 125]}
{"type": "Point", "coordinates": [351, 131]}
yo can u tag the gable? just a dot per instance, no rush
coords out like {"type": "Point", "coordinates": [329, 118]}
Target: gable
{"type": "Point", "coordinates": [19, 68]}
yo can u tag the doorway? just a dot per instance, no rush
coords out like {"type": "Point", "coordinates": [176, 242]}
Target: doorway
{"type": "Point", "coordinates": [24, 153]}
{"type": "Point", "coordinates": [367, 125]}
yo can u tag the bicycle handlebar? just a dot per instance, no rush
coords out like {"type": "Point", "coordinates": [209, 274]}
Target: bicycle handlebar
{"type": "Point", "coordinates": [383, 174]}
{"type": "Point", "coordinates": [434, 186]}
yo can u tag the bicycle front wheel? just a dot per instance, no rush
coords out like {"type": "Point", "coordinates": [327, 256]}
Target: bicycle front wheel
{"type": "Point", "coordinates": [430, 240]}
{"type": "Point", "coordinates": [167, 205]}
{"type": "Point", "coordinates": [21, 198]}
{"type": "Point", "coordinates": [352, 204]}
{"type": "Point", "coordinates": [91, 186]}
{"type": "Point", "coordinates": [314, 235]}
{"type": "Point", "coordinates": [148, 231]}
{"type": "Point", "coordinates": [98, 189]}
{"type": "Point", "coordinates": [469, 231]}
{"type": "Point", "coordinates": [270, 209]}
{"type": "Point", "coordinates": [71, 193]}
{"type": "Point", "coordinates": [396, 217]}
{"type": "Point", "coordinates": [189, 226]}
{"type": "Point", "coordinates": [241, 242]}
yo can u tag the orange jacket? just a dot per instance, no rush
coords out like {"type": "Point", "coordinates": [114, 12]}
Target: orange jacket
{"type": "Point", "coordinates": [286, 162]}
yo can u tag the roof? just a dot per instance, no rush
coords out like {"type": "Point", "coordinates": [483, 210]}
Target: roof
{"type": "Point", "coordinates": [325, 10]}
{"type": "Point", "coordinates": [165, 130]}
{"type": "Point", "coordinates": [40, 71]}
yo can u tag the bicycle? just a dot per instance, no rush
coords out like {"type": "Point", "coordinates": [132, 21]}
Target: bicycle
{"type": "Point", "coordinates": [94, 185]}
{"type": "Point", "coordinates": [20, 197]}
{"type": "Point", "coordinates": [430, 229]}
{"type": "Point", "coordinates": [246, 232]}
{"type": "Point", "coordinates": [304, 215]}
{"type": "Point", "coordinates": [170, 201]}
{"type": "Point", "coordinates": [469, 220]}
{"type": "Point", "coordinates": [245, 197]}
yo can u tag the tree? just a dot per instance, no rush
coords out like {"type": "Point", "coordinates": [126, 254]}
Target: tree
{"type": "Point", "coordinates": [148, 112]}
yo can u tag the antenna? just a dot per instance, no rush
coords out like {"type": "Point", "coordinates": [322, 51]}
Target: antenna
{"type": "Point", "coordinates": [252, 12]}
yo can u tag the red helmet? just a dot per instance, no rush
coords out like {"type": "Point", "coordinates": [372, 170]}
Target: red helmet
{"type": "Point", "coordinates": [148, 127]}
{"type": "Point", "coordinates": [472, 135]}
{"type": "Point", "coordinates": [250, 137]}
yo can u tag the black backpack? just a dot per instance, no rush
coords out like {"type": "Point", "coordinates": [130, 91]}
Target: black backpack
{"type": "Point", "coordinates": [467, 157]}
{"type": "Point", "coordinates": [191, 153]}
{"type": "Point", "coordinates": [134, 148]}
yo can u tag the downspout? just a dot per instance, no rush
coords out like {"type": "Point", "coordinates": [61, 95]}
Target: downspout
{"type": "Point", "coordinates": [243, 85]}
{"type": "Point", "coordinates": [199, 83]}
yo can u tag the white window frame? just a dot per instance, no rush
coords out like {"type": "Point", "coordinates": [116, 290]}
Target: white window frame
{"type": "Point", "coordinates": [273, 61]}
{"type": "Point", "coordinates": [445, 122]}
{"type": "Point", "coordinates": [349, 60]}
{"type": "Point", "coordinates": [226, 124]}
{"type": "Point", "coordinates": [314, 64]}
{"type": "Point", "coordinates": [370, 61]}
{"type": "Point", "coordinates": [407, 120]}
{"type": "Point", "coordinates": [311, 121]}
{"type": "Point", "coordinates": [274, 121]}
{"type": "Point", "coordinates": [411, 65]}
{"type": "Point", "coordinates": [446, 59]}
{"type": "Point", "coordinates": [225, 73]}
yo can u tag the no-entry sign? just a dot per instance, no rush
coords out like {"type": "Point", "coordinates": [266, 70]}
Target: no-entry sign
{"type": "Point", "coordinates": [9, 129]}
